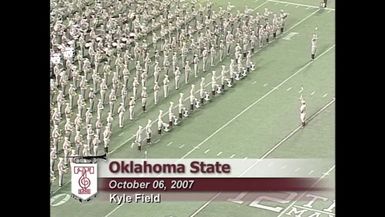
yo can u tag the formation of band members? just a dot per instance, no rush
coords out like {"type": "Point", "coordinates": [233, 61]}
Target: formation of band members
{"type": "Point", "coordinates": [109, 56]}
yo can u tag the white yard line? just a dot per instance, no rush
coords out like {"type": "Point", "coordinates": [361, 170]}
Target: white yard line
{"type": "Point", "coordinates": [303, 5]}
{"type": "Point", "coordinates": [181, 146]}
{"type": "Point", "coordinates": [303, 20]}
{"type": "Point", "coordinates": [325, 95]}
{"type": "Point", "coordinates": [288, 89]}
{"type": "Point", "coordinates": [207, 151]}
{"type": "Point", "coordinates": [265, 84]}
{"type": "Point", "coordinates": [254, 82]}
{"type": "Point", "coordinates": [233, 155]}
{"type": "Point", "coordinates": [327, 173]}
{"type": "Point", "coordinates": [168, 144]}
{"type": "Point", "coordinates": [311, 171]}
{"type": "Point", "coordinates": [219, 153]}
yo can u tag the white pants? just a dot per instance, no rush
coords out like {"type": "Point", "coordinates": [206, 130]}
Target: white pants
{"type": "Point", "coordinates": [313, 50]}
{"type": "Point", "coordinates": [131, 111]}
{"type": "Point", "coordinates": [204, 63]}
{"type": "Point", "coordinates": [176, 82]}
{"type": "Point", "coordinates": [156, 76]}
{"type": "Point", "coordinates": [61, 174]}
{"type": "Point", "coordinates": [302, 117]}
{"type": "Point", "coordinates": [156, 97]}
{"type": "Point", "coordinates": [102, 94]}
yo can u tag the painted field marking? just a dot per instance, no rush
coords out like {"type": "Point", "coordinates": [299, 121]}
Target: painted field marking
{"type": "Point", "coordinates": [120, 134]}
{"type": "Point", "coordinates": [311, 171]}
{"type": "Point", "coordinates": [168, 144]}
{"type": "Point", "coordinates": [290, 35]}
{"type": "Point", "coordinates": [233, 155]}
{"type": "Point", "coordinates": [261, 5]}
{"type": "Point", "coordinates": [265, 84]}
{"type": "Point", "coordinates": [325, 95]}
{"type": "Point", "coordinates": [288, 89]}
{"type": "Point", "coordinates": [213, 198]}
{"type": "Point", "coordinates": [268, 93]}
{"type": "Point", "coordinates": [60, 202]}
{"type": "Point", "coordinates": [204, 205]}
{"type": "Point", "coordinates": [207, 151]}
{"type": "Point", "coordinates": [219, 153]}
{"type": "Point", "coordinates": [312, 93]}
{"type": "Point", "coordinates": [254, 82]}
{"type": "Point", "coordinates": [315, 210]}
{"type": "Point", "coordinates": [181, 146]}
{"type": "Point", "coordinates": [298, 169]}
{"type": "Point", "coordinates": [264, 156]}
{"type": "Point", "coordinates": [254, 103]}
{"type": "Point", "coordinates": [303, 194]}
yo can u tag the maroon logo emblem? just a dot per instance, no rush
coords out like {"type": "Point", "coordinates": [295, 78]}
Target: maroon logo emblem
{"type": "Point", "coordinates": [84, 182]}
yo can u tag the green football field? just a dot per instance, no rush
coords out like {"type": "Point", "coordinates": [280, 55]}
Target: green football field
{"type": "Point", "coordinates": [257, 118]}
